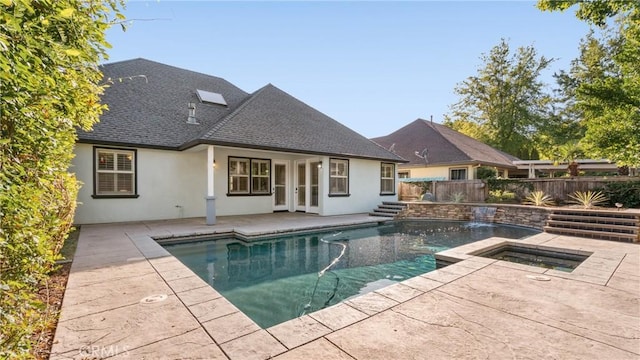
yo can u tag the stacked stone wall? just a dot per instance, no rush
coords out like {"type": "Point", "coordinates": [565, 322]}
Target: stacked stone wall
{"type": "Point", "coordinates": [522, 215]}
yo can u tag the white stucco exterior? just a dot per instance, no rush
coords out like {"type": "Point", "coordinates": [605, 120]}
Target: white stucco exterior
{"type": "Point", "coordinates": [173, 185]}
{"type": "Point", "coordinates": [443, 171]}
{"type": "Point", "coordinates": [170, 185]}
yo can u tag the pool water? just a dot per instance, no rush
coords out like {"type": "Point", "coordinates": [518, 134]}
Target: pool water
{"type": "Point", "coordinates": [273, 280]}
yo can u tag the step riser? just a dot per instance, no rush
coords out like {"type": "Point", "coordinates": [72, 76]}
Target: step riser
{"type": "Point", "coordinates": [388, 209]}
{"type": "Point", "coordinates": [593, 235]}
{"type": "Point", "coordinates": [390, 216]}
{"type": "Point", "coordinates": [594, 224]}
{"type": "Point", "coordinates": [591, 219]}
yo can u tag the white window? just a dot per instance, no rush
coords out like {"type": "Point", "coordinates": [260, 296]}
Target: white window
{"type": "Point", "coordinates": [249, 176]}
{"type": "Point", "coordinates": [403, 174]}
{"type": "Point", "coordinates": [238, 176]}
{"type": "Point", "coordinates": [115, 172]}
{"type": "Point", "coordinates": [338, 177]}
{"type": "Point", "coordinates": [260, 176]}
{"type": "Point", "coordinates": [387, 178]}
{"type": "Point", "coordinates": [458, 174]}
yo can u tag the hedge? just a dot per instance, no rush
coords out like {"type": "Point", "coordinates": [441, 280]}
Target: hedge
{"type": "Point", "coordinates": [50, 86]}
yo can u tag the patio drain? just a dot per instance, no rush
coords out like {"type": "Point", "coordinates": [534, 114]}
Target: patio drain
{"type": "Point", "coordinates": [154, 299]}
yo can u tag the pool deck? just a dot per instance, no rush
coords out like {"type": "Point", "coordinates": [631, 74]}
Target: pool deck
{"type": "Point", "coordinates": [127, 298]}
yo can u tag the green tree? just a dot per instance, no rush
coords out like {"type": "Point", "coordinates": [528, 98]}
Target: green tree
{"type": "Point", "coordinates": [49, 84]}
{"type": "Point", "coordinates": [596, 12]}
{"type": "Point", "coordinates": [503, 104]}
{"type": "Point", "coordinates": [606, 78]}
{"type": "Point", "coordinates": [564, 126]}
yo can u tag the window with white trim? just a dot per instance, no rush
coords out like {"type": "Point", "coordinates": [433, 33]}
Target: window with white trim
{"type": "Point", "coordinates": [115, 172]}
{"type": "Point", "coordinates": [403, 174]}
{"type": "Point", "coordinates": [249, 176]}
{"type": "Point", "coordinates": [238, 175]}
{"type": "Point", "coordinates": [260, 176]}
{"type": "Point", "coordinates": [338, 177]}
{"type": "Point", "coordinates": [387, 178]}
{"type": "Point", "coordinates": [458, 174]}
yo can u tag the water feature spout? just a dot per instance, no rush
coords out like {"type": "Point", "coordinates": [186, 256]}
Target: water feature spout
{"type": "Point", "coordinates": [483, 213]}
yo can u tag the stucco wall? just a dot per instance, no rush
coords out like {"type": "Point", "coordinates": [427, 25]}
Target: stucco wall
{"type": "Point", "coordinates": [364, 189]}
{"type": "Point", "coordinates": [243, 205]}
{"type": "Point", "coordinates": [437, 171]}
{"type": "Point", "coordinates": [170, 185]}
{"type": "Point", "coordinates": [530, 216]}
{"type": "Point", "coordinates": [173, 185]}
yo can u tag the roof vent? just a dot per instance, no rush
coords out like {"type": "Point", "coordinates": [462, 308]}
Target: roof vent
{"type": "Point", "coordinates": [192, 114]}
{"type": "Point", "coordinates": [211, 97]}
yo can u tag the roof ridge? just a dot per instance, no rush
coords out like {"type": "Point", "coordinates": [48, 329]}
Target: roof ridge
{"type": "Point", "coordinates": [168, 65]}
{"type": "Point", "coordinates": [446, 138]}
{"type": "Point", "coordinates": [471, 156]}
{"type": "Point", "coordinates": [235, 112]}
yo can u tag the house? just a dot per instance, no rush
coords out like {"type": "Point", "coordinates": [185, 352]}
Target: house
{"type": "Point", "coordinates": [177, 143]}
{"type": "Point", "coordinates": [437, 152]}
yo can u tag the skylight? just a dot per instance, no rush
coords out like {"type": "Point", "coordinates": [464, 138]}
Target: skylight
{"type": "Point", "coordinates": [210, 97]}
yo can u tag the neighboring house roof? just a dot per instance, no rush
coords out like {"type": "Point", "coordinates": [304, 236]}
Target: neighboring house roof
{"type": "Point", "coordinates": [444, 146]}
{"type": "Point", "coordinates": [148, 107]}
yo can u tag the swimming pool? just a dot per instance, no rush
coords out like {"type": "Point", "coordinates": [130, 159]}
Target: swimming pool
{"type": "Point", "coordinates": [276, 279]}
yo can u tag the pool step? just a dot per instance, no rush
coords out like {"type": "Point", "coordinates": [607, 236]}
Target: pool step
{"type": "Point", "coordinates": [388, 209]}
{"type": "Point", "coordinates": [596, 224]}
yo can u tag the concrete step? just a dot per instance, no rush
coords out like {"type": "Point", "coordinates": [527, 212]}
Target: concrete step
{"type": "Point", "coordinates": [381, 214]}
{"type": "Point", "coordinates": [385, 210]}
{"type": "Point", "coordinates": [397, 203]}
{"type": "Point", "coordinates": [627, 229]}
{"type": "Point", "coordinates": [634, 221]}
{"type": "Point", "coordinates": [595, 213]}
{"type": "Point", "coordinates": [388, 209]}
{"type": "Point", "coordinates": [392, 207]}
{"type": "Point", "coordinates": [605, 235]}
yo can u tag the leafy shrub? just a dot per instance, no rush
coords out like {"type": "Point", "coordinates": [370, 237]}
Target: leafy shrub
{"type": "Point", "coordinates": [486, 172]}
{"type": "Point", "coordinates": [503, 188]}
{"type": "Point", "coordinates": [588, 199]}
{"type": "Point", "coordinates": [626, 193]}
{"type": "Point", "coordinates": [538, 198]}
{"type": "Point", "coordinates": [49, 86]}
{"type": "Point", "coordinates": [457, 197]}
{"type": "Point", "coordinates": [507, 197]}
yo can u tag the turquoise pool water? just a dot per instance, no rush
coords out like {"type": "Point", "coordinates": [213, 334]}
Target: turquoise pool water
{"type": "Point", "coordinates": [273, 280]}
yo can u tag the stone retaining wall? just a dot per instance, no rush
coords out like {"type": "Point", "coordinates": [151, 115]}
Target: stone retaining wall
{"type": "Point", "coordinates": [522, 215]}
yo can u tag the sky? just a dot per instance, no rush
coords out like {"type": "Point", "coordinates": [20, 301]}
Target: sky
{"type": "Point", "coordinates": [374, 66]}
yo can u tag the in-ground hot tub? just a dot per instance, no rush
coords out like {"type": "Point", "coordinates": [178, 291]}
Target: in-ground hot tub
{"type": "Point", "coordinates": [546, 257]}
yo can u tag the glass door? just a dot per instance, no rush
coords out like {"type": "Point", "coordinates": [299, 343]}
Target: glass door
{"type": "Point", "coordinates": [301, 186]}
{"type": "Point", "coordinates": [280, 198]}
{"type": "Point", "coordinates": [314, 177]}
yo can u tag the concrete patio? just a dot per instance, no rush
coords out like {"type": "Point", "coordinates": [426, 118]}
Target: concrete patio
{"type": "Point", "coordinates": [128, 298]}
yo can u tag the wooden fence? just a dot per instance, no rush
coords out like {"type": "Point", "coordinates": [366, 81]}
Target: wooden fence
{"type": "Point", "coordinates": [561, 188]}
{"type": "Point", "coordinates": [478, 191]}
{"type": "Point", "coordinates": [443, 191]}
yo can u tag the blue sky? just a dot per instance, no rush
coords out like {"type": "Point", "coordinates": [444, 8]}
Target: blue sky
{"type": "Point", "coordinates": [373, 66]}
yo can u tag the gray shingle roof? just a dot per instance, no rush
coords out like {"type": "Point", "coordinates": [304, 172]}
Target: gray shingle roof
{"type": "Point", "coordinates": [273, 119]}
{"type": "Point", "coordinates": [444, 145]}
{"type": "Point", "coordinates": [152, 110]}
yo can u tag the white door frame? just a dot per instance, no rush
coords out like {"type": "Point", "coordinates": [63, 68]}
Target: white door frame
{"type": "Point", "coordinates": [282, 187]}
{"type": "Point", "coordinates": [305, 189]}
{"type": "Point", "coordinates": [298, 190]}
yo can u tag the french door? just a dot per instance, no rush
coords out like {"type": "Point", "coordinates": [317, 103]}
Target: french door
{"type": "Point", "coordinates": [301, 186]}
{"type": "Point", "coordinates": [307, 190]}
{"type": "Point", "coordinates": [280, 186]}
